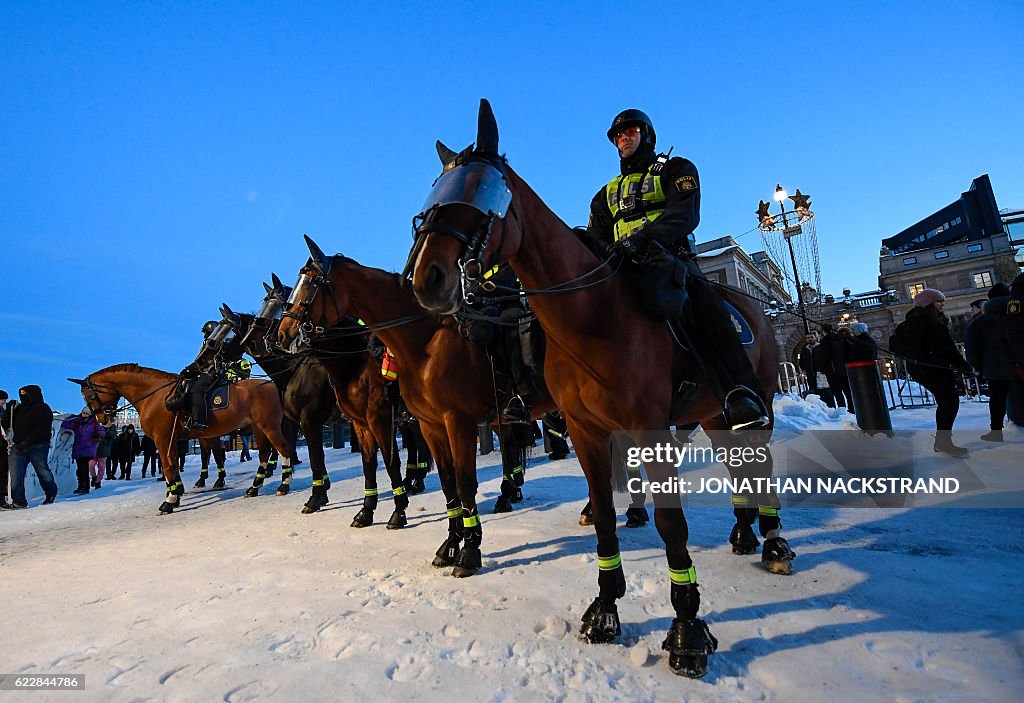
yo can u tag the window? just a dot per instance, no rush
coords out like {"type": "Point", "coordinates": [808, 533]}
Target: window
{"type": "Point", "coordinates": [914, 289]}
{"type": "Point", "coordinates": [941, 254]}
{"type": "Point", "coordinates": [910, 260]}
{"type": "Point", "coordinates": [955, 222]}
{"type": "Point", "coordinates": [973, 247]}
{"type": "Point", "coordinates": [982, 279]}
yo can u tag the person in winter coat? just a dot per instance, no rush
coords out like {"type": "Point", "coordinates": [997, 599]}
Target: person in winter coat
{"type": "Point", "coordinates": [28, 424]}
{"type": "Point", "coordinates": [149, 455]}
{"type": "Point", "coordinates": [106, 464]}
{"type": "Point", "coordinates": [830, 359]}
{"type": "Point", "coordinates": [861, 346]}
{"type": "Point", "coordinates": [88, 432]}
{"type": "Point", "coordinates": [988, 351]}
{"type": "Point", "coordinates": [932, 359]}
{"type": "Point", "coordinates": [4, 473]}
{"type": "Point", "coordinates": [126, 449]}
{"type": "Point", "coordinates": [807, 362]}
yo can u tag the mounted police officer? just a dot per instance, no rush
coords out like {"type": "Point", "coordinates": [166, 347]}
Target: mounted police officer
{"type": "Point", "coordinates": [648, 214]}
{"type": "Point", "coordinates": [219, 357]}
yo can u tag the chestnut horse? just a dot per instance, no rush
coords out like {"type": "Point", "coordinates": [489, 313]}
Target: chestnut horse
{"type": "Point", "coordinates": [610, 366]}
{"type": "Point", "coordinates": [446, 381]}
{"type": "Point", "coordinates": [252, 402]}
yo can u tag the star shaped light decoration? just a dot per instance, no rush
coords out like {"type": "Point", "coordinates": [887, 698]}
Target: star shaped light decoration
{"type": "Point", "coordinates": [763, 217]}
{"type": "Point", "coordinates": [802, 203]}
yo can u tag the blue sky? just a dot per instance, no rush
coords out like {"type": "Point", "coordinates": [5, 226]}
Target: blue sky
{"type": "Point", "coordinates": [162, 158]}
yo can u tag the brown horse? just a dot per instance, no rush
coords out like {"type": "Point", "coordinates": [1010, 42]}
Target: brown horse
{"type": "Point", "coordinates": [610, 365]}
{"type": "Point", "coordinates": [251, 402]}
{"type": "Point", "coordinates": [446, 381]}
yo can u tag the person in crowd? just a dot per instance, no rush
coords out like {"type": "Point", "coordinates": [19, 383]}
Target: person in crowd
{"type": "Point", "coordinates": [182, 446]}
{"type": "Point", "coordinates": [127, 448]}
{"type": "Point", "coordinates": [977, 307]}
{"type": "Point", "coordinates": [555, 432]}
{"type": "Point", "coordinates": [149, 455]}
{"type": "Point", "coordinates": [830, 359]}
{"type": "Point", "coordinates": [806, 360]}
{"type": "Point", "coordinates": [932, 357]}
{"type": "Point", "coordinates": [28, 424]}
{"type": "Point", "coordinates": [245, 434]}
{"type": "Point", "coordinates": [988, 351]}
{"type": "Point", "coordinates": [106, 461]}
{"type": "Point", "coordinates": [861, 346]}
{"type": "Point", "coordinates": [4, 472]}
{"type": "Point", "coordinates": [88, 433]}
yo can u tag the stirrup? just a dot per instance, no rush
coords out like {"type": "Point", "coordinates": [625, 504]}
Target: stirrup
{"type": "Point", "coordinates": [749, 415]}
{"type": "Point", "coordinates": [516, 411]}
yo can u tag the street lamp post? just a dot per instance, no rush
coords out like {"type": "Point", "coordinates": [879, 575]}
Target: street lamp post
{"type": "Point", "coordinates": [769, 222]}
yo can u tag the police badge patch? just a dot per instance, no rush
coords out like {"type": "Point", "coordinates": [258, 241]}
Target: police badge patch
{"type": "Point", "coordinates": [684, 183]}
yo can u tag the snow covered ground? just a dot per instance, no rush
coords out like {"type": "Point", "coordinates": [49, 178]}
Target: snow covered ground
{"type": "Point", "coordinates": [233, 599]}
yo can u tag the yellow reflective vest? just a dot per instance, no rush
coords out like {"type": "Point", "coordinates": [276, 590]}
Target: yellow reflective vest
{"type": "Point", "coordinates": [634, 201]}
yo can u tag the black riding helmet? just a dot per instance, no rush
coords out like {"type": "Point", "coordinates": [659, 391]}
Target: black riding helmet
{"type": "Point", "coordinates": [634, 117]}
{"type": "Point", "coordinates": [209, 327]}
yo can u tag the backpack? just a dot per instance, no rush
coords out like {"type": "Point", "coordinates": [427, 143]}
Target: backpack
{"type": "Point", "coordinates": [903, 343]}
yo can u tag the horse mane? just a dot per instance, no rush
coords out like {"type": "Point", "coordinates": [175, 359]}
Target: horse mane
{"type": "Point", "coordinates": [132, 368]}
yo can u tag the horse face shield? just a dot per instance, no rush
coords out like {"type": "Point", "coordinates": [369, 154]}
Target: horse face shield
{"type": "Point", "coordinates": [483, 189]}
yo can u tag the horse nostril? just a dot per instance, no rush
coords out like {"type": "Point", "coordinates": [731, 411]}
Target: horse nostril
{"type": "Point", "coordinates": [435, 277]}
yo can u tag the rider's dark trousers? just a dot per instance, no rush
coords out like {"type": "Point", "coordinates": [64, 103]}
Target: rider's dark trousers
{"type": "Point", "coordinates": [713, 332]}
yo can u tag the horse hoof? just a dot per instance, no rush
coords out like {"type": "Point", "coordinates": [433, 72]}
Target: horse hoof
{"type": "Point", "coordinates": [165, 509]}
{"type": "Point", "coordinates": [467, 563]}
{"type": "Point", "coordinates": [503, 505]}
{"type": "Point", "coordinates": [743, 540]}
{"type": "Point", "coordinates": [440, 562]}
{"type": "Point", "coordinates": [201, 483]}
{"type": "Point", "coordinates": [600, 624]}
{"type": "Point", "coordinates": [777, 557]}
{"type": "Point", "coordinates": [218, 485]}
{"type": "Point", "coordinates": [637, 517]}
{"type": "Point", "coordinates": [689, 642]}
{"type": "Point", "coordinates": [364, 518]}
{"type": "Point", "coordinates": [397, 521]}
{"type": "Point", "coordinates": [416, 486]}
{"type": "Point", "coordinates": [282, 490]}
{"type": "Point", "coordinates": [586, 520]}
{"type": "Point", "coordinates": [252, 492]}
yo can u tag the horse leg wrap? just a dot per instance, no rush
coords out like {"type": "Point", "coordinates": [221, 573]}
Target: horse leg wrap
{"type": "Point", "coordinates": [518, 475]}
{"type": "Point", "coordinates": [398, 519]}
{"type": "Point", "coordinates": [261, 475]}
{"type": "Point", "coordinates": [221, 475]}
{"type": "Point", "coordinates": [364, 518]}
{"type": "Point", "coordinates": [611, 580]}
{"type": "Point", "coordinates": [469, 559]}
{"type": "Point", "coordinates": [203, 475]}
{"type": "Point", "coordinates": [689, 642]}
{"type": "Point", "coordinates": [318, 498]}
{"type": "Point", "coordinates": [768, 521]}
{"type": "Point", "coordinates": [286, 475]}
{"type": "Point", "coordinates": [449, 549]}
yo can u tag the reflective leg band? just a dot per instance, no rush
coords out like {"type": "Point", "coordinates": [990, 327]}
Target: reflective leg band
{"type": "Point", "coordinates": [318, 482]}
{"type": "Point", "coordinates": [370, 492]}
{"type": "Point", "coordinates": [767, 511]}
{"type": "Point", "coordinates": [609, 563]}
{"type": "Point", "coordinates": [740, 500]}
{"type": "Point", "coordinates": [455, 512]}
{"type": "Point", "coordinates": [684, 576]}
{"type": "Point", "coordinates": [471, 521]}
{"type": "Point", "coordinates": [398, 490]}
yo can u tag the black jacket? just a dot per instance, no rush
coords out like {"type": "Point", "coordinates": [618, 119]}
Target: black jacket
{"type": "Point", "coordinates": [830, 355]}
{"type": "Point", "coordinates": [985, 342]}
{"type": "Point", "coordinates": [127, 446]}
{"type": "Point", "coordinates": [148, 446]}
{"type": "Point", "coordinates": [861, 347]}
{"type": "Point", "coordinates": [928, 339]}
{"type": "Point", "coordinates": [681, 185]}
{"type": "Point", "coordinates": [31, 417]}
{"type": "Point", "coordinates": [1015, 328]}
